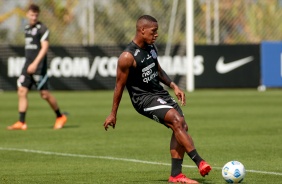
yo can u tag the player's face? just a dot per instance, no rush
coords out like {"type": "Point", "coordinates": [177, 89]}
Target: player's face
{"type": "Point", "coordinates": [151, 33]}
{"type": "Point", "coordinates": [32, 17]}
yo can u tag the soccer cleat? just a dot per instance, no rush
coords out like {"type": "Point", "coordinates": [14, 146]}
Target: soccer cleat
{"type": "Point", "coordinates": [17, 126]}
{"type": "Point", "coordinates": [204, 168]}
{"type": "Point", "coordinates": [60, 122]}
{"type": "Point", "coordinates": [180, 178]}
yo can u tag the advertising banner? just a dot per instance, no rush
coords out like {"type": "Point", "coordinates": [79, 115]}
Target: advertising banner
{"type": "Point", "coordinates": [90, 68]}
{"type": "Point", "coordinates": [271, 64]}
{"type": "Point", "coordinates": [70, 68]}
{"type": "Point", "coordinates": [227, 66]}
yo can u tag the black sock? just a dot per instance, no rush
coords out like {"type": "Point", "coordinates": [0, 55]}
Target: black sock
{"type": "Point", "coordinates": [22, 117]}
{"type": "Point", "coordinates": [195, 157]}
{"type": "Point", "coordinates": [58, 113]}
{"type": "Point", "coordinates": [176, 166]}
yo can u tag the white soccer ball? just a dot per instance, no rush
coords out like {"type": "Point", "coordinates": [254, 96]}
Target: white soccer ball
{"type": "Point", "coordinates": [233, 172]}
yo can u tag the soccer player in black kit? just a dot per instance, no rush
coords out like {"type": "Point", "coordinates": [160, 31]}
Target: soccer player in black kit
{"type": "Point", "coordinates": [138, 69]}
{"type": "Point", "coordinates": [34, 71]}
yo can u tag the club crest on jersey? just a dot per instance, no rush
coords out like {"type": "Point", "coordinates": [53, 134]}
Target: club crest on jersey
{"type": "Point", "coordinates": [34, 31]}
{"type": "Point", "coordinates": [154, 54]}
{"type": "Point", "coordinates": [136, 52]}
{"type": "Point", "coordinates": [161, 101]}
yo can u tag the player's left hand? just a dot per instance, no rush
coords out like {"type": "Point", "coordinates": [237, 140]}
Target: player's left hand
{"type": "Point", "coordinates": [31, 68]}
{"type": "Point", "coordinates": [180, 96]}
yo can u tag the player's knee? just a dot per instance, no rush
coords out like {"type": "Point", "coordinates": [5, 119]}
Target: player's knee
{"type": "Point", "coordinates": [185, 126]}
{"type": "Point", "coordinates": [44, 95]}
{"type": "Point", "coordinates": [22, 92]}
{"type": "Point", "coordinates": [178, 122]}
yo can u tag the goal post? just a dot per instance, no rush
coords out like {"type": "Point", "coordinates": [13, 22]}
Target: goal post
{"type": "Point", "coordinates": [190, 81]}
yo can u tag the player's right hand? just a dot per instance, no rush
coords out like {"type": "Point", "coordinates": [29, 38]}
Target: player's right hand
{"type": "Point", "coordinates": [110, 121]}
{"type": "Point", "coordinates": [31, 68]}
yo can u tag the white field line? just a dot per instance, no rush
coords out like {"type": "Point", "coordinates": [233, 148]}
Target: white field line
{"type": "Point", "coordinates": [119, 159]}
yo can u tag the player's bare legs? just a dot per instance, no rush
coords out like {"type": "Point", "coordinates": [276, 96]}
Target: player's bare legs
{"type": "Point", "coordinates": [182, 142]}
{"type": "Point", "coordinates": [176, 150]}
{"type": "Point", "coordinates": [180, 128]}
{"type": "Point", "coordinates": [46, 95]}
{"type": "Point", "coordinates": [22, 108]}
{"type": "Point", "coordinates": [61, 118]}
{"type": "Point", "coordinates": [22, 99]}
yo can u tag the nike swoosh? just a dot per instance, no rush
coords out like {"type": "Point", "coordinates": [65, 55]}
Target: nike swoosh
{"type": "Point", "coordinates": [222, 67]}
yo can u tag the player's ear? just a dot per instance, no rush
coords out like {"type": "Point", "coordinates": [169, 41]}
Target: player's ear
{"type": "Point", "coordinates": [143, 30]}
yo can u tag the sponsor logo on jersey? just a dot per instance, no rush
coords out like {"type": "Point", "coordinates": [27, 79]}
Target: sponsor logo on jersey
{"type": "Point", "coordinates": [148, 73]}
{"type": "Point", "coordinates": [28, 43]}
{"type": "Point", "coordinates": [148, 67]}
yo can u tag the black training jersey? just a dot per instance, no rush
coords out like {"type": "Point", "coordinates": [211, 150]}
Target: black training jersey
{"type": "Point", "coordinates": [143, 80]}
{"type": "Point", "coordinates": [34, 35]}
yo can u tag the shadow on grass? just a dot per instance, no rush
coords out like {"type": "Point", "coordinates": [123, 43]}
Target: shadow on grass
{"type": "Point", "coordinates": [51, 127]}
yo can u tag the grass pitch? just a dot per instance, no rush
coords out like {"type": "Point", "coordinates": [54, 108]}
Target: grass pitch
{"type": "Point", "coordinates": [243, 125]}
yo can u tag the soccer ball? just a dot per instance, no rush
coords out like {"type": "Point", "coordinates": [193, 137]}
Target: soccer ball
{"type": "Point", "coordinates": [233, 172]}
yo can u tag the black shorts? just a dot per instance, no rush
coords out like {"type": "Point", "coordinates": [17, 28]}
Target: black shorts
{"type": "Point", "coordinates": [155, 107]}
{"type": "Point", "coordinates": [27, 80]}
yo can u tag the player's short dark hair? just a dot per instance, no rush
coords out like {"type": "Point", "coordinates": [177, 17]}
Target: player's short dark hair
{"type": "Point", "coordinates": [34, 8]}
{"type": "Point", "coordinates": [147, 17]}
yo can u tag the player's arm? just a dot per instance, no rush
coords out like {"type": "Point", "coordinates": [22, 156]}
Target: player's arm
{"type": "Point", "coordinates": [164, 78]}
{"type": "Point", "coordinates": [41, 54]}
{"type": "Point", "coordinates": [125, 61]}
{"type": "Point", "coordinates": [43, 51]}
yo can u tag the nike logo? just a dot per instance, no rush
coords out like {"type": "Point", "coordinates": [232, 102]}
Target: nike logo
{"type": "Point", "coordinates": [222, 67]}
{"type": "Point", "coordinates": [142, 60]}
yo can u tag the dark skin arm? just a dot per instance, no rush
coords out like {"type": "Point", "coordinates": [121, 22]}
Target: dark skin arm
{"type": "Point", "coordinates": [164, 78]}
{"type": "Point", "coordinates": [125, 61]}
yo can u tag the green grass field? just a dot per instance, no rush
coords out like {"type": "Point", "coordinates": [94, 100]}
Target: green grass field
{"type": "Point", "coordinates": [243, 125]}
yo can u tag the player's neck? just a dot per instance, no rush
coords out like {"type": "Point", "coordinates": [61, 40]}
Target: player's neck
{"type": "Point", "coordinates": [139, 43]}
{"type": "Point", "coordinates": [32, 23]}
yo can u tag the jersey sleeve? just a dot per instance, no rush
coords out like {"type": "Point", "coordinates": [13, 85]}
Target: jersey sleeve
{"type": "Point", "coordinates": [44, 32]}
